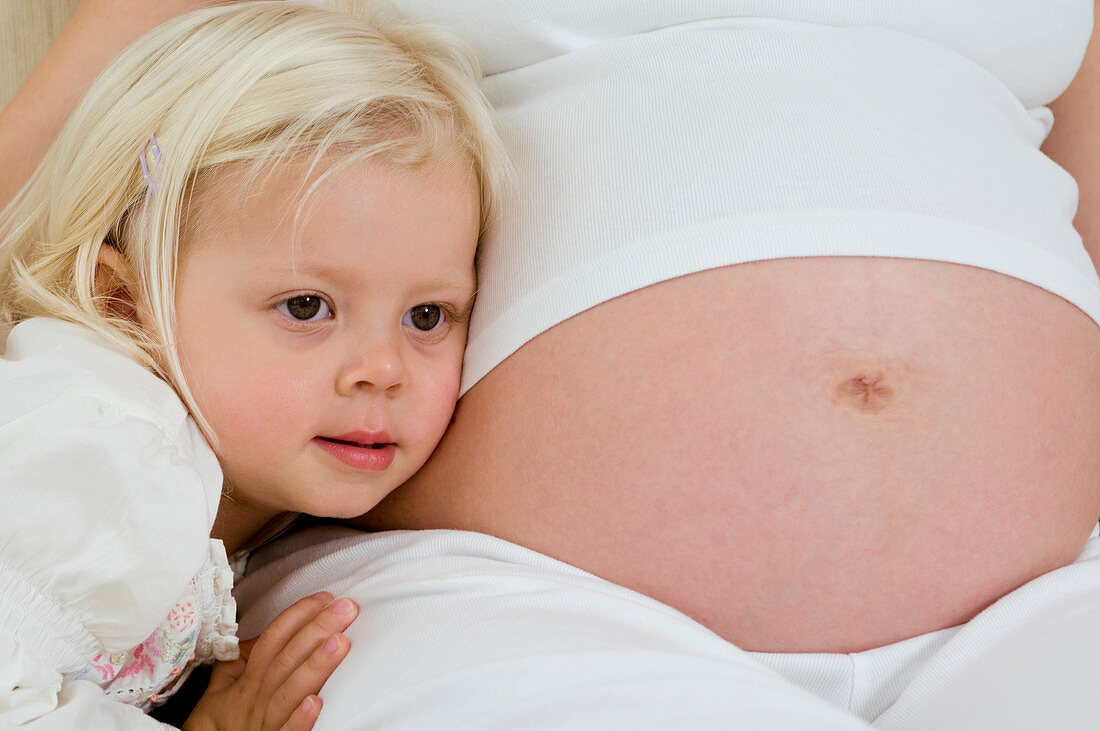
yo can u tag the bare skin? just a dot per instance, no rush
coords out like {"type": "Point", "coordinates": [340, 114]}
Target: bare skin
{"type": "Point", "coordinates": [823, 455]}
{"type": "Point", "coordinates": [890, 446]}
{"type": "Point", "coordinates": [882, 451]}
{"type": "Point", "coordinates": [274, 684]}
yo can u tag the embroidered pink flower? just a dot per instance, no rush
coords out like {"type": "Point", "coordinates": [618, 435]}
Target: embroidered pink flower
{"type": "Point", "coordinates": [143, 657]}
{"type": "Point", "coordinates": [104, 666]}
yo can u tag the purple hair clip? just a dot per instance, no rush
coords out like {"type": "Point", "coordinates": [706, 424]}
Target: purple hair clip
{"type": "Point", "coordinates": [145, 166]}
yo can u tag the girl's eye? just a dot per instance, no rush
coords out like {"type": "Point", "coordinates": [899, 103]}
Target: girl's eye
{"type": "Point", "coordinates": [305, 308]}
{"type": "Point", "coordinates": [424, 317]}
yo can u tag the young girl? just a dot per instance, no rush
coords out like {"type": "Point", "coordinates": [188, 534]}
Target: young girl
{"type": "Point", "coordinates": [239, 284]}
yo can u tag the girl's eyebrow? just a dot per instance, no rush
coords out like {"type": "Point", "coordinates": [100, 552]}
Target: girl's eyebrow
{"type": "Point", "coordinates": [330, 273]}
{"type": "Point", "coordinates": [448, 284]}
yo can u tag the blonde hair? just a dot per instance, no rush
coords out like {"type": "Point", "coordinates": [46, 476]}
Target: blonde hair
{"type": "Point", "coordinates": [269, 83]}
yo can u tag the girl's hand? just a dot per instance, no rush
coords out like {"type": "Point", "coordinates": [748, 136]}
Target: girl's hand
{"type": "Point", "coordinates": [274, 684]}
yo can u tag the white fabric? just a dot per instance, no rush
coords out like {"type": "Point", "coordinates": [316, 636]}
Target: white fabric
{"type": "Point", "coordinates": [1030, 661]}
{"type": "Point", "coordinates": [199, 628]}
{"type": "Point", "coordinates": [109, 495]}
{"type": "Point", "coordinates": [460, 630]}
{"type": "Point", "coordinates": [656, 139]}
{"type": "Point", "coordinates": [1033, 48]}
{"type": "Point", "coordinates": [82, 705]}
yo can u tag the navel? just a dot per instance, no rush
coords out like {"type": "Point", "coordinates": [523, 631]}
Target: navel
{"type": "Point", "coordinates": [867, 391]}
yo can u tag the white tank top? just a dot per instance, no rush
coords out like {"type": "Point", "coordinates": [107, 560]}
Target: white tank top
{"type": "Point", "coordinates": [655, 139]}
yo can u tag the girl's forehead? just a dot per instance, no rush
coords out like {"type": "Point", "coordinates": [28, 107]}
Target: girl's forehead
{"type": "Point", "coordinates": [362, 214]}
{"type": "Point", "coordinates": [291, 191]}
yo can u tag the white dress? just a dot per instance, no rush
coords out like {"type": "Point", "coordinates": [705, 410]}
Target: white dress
{"type": "Point", "coordinates": [111, 589]}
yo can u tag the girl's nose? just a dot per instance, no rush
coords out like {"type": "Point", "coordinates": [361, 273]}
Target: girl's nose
{"type": "Point", "coordinates": [375, 366]}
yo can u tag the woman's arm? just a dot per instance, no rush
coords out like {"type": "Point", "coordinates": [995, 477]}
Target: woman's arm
{"type": "Point", "coordinates": [1074, 143]}
{"type": "Point", "coordinates": [98, 30]}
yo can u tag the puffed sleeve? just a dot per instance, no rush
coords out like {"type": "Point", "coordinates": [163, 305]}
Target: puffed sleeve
{"type": "Point", "coordinates": [107, 513]}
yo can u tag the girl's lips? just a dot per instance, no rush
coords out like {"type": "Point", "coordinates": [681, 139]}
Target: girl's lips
{"type": "Point", "coordinates": [361, 438]}
{"type": "Point", "coordinates": [370, 456]}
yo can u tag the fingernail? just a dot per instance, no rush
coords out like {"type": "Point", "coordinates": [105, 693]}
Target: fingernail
{"type": "Point", "coordinates": [307, 705]}
{"type": "Point", "coordinates": [344, 606]}
{"type": "Point", "coordinates": [332, 644]}
{"type": "Point", "coordinates": [320, 595]}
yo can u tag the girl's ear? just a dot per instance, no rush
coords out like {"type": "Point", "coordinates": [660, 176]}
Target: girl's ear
{"type": "Point", "coordinates": [116, 289]}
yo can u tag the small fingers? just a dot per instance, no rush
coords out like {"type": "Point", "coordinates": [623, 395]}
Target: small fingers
{"type": "Point", "coordinates": [307, 680]}
{"type": "Point", "coordinates": [263, 651]}
{"type": "Point", "coordinates": [304, 716]}
{"type": "Point", "coordinates": [335, 618]}
{"type": "Point", "coordinates": [298, 656]}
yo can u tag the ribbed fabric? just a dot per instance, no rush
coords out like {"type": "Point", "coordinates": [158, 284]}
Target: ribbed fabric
{"type": "Point", "coordinates": [1034, 48]}
{"type": "Point", "coordinates": [865, 683]}
{"type": "Point", "coordinates": [461, 630]}
{"type": "Point", "coordinates": [766, 130]}
{"type": "Point", "coordinates": [498, 636]}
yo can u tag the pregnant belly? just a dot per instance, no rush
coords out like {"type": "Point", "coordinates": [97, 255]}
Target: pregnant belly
{"type": "Point", "coordinates": [803, 455]}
